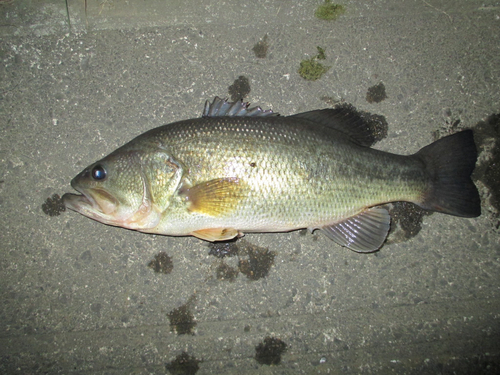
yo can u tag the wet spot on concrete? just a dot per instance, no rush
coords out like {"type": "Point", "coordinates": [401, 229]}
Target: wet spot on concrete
{"type": "Point", "coordinates": [53, 206]}
{"type": "Point", "coordinates": [269, 351]}
{"type": "Point", "coordinates": [259, 262]}
{"type": "Point", "coordinates": [376, 93]}
{"type": "Point", "coordinates": [254, 261]}
{"type": "Point", "coordinates": [86, 256]}
{"type": "Point", "coordinates": [182, 319]}
{"type": "Point", "coordinates": [162, 263]}
{"type": "Point", "coordinates": [226, 272]}
{"type": "Point", "coordinates": [183, 364]}
{"type": "Point", "coordinates": [487, 172]}
{"type": "Point", "coordinates": [260, 48]}
{"type": "Point", "coordinates": [451, 125]}
{"type": "Point", "coordinates": [239, 89]}
{"type": "Point", "coordinates": [223, 249]}
{"type": "Point", "coordinates": [96, 308]}
{"type": "Point", "coordinates": [406, 221]}
{"type": "Point", "coordinates": [492, 177]}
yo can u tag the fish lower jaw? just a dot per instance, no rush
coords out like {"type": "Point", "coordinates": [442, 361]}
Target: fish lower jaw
{"type": "Point", "coordinates": [78, 202]}
{"type": "Point", "coordinates": [87, 207]}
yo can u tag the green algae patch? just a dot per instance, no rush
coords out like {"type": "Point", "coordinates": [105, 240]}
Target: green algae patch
{"type": "Point", "coordinates": [311, 69]}
{"type": "Point", "coordinates": [329, 11]}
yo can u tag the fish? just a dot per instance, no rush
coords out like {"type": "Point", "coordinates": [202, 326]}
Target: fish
{"type": "Point", "coordinates": [238, 170]}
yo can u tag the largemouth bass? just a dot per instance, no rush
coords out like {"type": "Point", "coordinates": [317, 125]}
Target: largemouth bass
{"type": "Point", "coordinates": [239, 169]}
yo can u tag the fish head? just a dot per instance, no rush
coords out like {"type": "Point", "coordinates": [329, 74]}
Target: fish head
{"type": "Point", "coordinates": [116, 191]}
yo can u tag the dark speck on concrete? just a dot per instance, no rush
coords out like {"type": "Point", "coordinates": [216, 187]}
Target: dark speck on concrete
{"type": "Point", "coordinates": [86, 256]}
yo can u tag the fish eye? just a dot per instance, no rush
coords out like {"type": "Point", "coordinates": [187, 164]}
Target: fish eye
{"type": "Point", "coordinates": [98, 173]}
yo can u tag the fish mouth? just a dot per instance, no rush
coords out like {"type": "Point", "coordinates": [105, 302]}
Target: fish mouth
{"type": "Point", "coordinates": [99, 205]}
{"type": "Point", "coordinates": [94, 203]}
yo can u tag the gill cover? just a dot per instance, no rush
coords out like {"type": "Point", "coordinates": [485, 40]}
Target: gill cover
{"type": "Point", "coordinates": [130, 189]}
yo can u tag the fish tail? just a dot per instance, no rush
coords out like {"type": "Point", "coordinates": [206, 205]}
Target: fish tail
{"type": "Point", "coordinates": [449, 163]}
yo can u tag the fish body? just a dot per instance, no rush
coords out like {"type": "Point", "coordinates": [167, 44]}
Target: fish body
{"type": "Point", "coordinates": [238, 170]}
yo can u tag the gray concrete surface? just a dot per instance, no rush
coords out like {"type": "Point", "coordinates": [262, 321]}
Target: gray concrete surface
{"type": "Point", "coordinates": [78, 297]}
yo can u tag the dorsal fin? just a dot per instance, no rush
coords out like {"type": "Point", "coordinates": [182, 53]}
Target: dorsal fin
{"type": "Point", "coordinates": [221, 107]}
{"type": "Point", "coordinates": [344, 120]}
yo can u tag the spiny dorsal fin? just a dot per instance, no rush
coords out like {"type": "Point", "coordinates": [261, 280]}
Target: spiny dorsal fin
{"type": "Point", "coordinates": [221, 107]}
{"type": "Point", "coordinates": [365, 232]}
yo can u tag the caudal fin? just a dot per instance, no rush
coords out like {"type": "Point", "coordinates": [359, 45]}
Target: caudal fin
{"type": "Point", "coordinates": [450, 162]}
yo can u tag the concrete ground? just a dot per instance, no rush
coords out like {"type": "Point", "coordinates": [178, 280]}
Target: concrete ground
{"type": "Point", "coordinates": [80, 297]}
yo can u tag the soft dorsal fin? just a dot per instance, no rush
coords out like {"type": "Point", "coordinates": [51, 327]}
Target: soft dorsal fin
{"type": "Point", "coordinates": [221, 107]}
{"type": "Point", "coordinates": [344, 120]}
{"type": "Point", "coordinates": [365, 232]}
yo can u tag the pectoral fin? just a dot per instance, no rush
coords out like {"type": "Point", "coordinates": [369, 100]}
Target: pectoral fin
{"type": "Point", "coordinates": [216, 234]}
{"type": "Point", "coordinates": [365, 232]}
{"type": "Point", "coordinates": [215, 197]}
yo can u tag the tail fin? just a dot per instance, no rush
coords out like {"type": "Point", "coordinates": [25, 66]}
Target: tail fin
{"type": "Point", "coordinates": [450, 162]}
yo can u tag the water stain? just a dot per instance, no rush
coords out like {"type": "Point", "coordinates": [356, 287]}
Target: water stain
{"type": "Point", "coordinates": [254, 261]}
{"type": "Point", "coordinates": [182, 319]}
{"type": "Point", "coordinates": [183, 364]}
{"type": "Point", "coordinates": [269, 351]}
{"type": "Point", "coordinates": [406, 221]}
{"type": "Point", "coordinates": [53, 206]}
{"type": "Point", "coordinates": [260, 48]}
{"type": "Point", "coordinates": [376, 93]}
{"type": "Point", "coordinates": [239, 89]}
{"type": "Point", "coordinates": [162, 263]}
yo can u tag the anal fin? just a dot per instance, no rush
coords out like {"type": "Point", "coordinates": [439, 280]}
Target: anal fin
{"type": "Point", "coordinates": [216, 234]}
{"type": "Point", "coordinates": [364, 232]}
